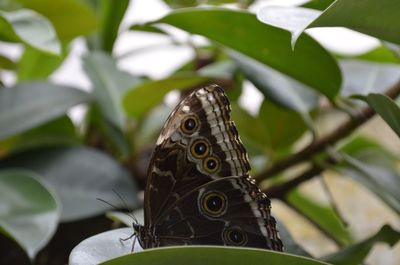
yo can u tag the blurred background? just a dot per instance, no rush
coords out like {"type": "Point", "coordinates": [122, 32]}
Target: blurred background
{"type": "Point", "coordinates": [105, 145]}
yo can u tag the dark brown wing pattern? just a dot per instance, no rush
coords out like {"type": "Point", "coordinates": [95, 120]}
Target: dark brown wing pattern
{"type": "Point", "coordinates": [198, 188]}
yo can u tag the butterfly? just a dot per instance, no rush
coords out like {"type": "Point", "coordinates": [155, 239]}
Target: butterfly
{"type": "Point", "coordinates": [198, 189]}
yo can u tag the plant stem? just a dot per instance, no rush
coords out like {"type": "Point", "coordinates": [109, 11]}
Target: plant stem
{"type": "Point", "coordinates": [341, 132]}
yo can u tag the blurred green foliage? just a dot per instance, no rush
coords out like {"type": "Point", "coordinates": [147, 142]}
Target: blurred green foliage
{"type": "Point", "coordinates": [52, 169]}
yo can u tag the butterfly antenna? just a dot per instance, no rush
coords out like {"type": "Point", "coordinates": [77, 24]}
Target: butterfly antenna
{"type": "Point", "coordinates": [116, 208]}
{"type": "Point", "coordinates": [126, 206]}
{"type": "Point", "coordinates": [106, 202]}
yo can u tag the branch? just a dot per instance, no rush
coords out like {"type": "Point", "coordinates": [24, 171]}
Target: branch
{"type": "Point", "coordinates": [280, 191]}
{"type": "Point", "coordinates": [342, 131]}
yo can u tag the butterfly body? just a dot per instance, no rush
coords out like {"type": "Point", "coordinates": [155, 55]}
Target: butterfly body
{"type": "Point", "coordinates": [198, 189]}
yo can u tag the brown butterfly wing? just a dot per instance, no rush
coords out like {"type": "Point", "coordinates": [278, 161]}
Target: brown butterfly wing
{"type": "Point", "coordinates": [198, 145]}
{"type": "Point", "coordinates": [230, 211]}
{"type": "Point", "coordinates": [173, 170]}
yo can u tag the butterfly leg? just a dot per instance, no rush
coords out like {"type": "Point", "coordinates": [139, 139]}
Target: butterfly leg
{"type": "Point", "coordinates": [125, 239]}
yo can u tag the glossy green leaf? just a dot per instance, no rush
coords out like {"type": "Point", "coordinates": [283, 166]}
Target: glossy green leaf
{"type": "Point", "coordinates": [71, 18]}
{"type": "Point", "coordinates": [112, 13]}
{"type": "Point", "coordinates": [29, 212]}
{"type": "Point", "coordinates": [323, 215]}
{"type": "Point", "coordinates": [293, 19]}
{"type": "Point", "coordinates": [355, 254]}
{"type": "Point", "coordinates": [37, 65]}
{"type": "Point", "coordinates": [211, 255]}
{"type": "Point", "coordinates": [309, 63]}
{"type": "Point", "coordinates": [79, 175]}
{"type": "Point", "coordinates": [363, 77]}
{"type": "Point", "coordinates": [272, 132]}
{"type": "Point", "coordinates": [30, 28]}
{"type": "Point", "coordinates": [109, 84]}
{"type": "Point", "coordinates": [28, 105]}
{"type": "Point", "coordinates": [6, 63]}
{"type": "Point", "coordinates": [279, 88]}
{"type": "Point", "coordinates": [381, 179]}
{"type": "Point", "coordinates": [141, 98]}
{"type": "Point", "coordinates": [284, 127]}
{"type": "Point", "coordinates": [378, 18]}
{"type": "Point", "coordinates": [105, 246]}
{"type": "Point", "coordinates": [318, 4]}
{"type": "Point", "coordinates": [386, 108]}
{"type": "Point", "coordinates": [382, 18]}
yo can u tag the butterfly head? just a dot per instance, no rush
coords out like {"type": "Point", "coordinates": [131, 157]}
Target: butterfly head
{"type": "Point", "coordinates": [139, 232]}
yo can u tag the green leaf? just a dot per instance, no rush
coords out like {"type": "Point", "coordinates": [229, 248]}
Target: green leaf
{"type": "Point", "coordinates": [102, 247]}
{"type": "Point", "coordinates": [154, 92]}
{"type": "Point", "coordinates": [181, 3]}
{"type": "Point", "coordinates": [323, 215]}
{"type": "Point", "coordinates": [110, 136]}
{"type": "Point", "coordinates": [386, 108]}
{"type": "Point", "coordinates": [211, 255]}
{"type": "Point", "coordinates": [318, 4]}
{"type": "Point", "coordinates": [279, 88]}
{"type": "Point", "coordinates": [378, 18]}
{"type": "Point", "coordinates": [29, 212]}
{"type": "Point", "coordinates": [190, 3]}
{"type": "Point", "coordinates": [393, 47]}
{"type": "Point", "coordinates": [223, 69]}
{"type": "Point", "coordinates": [6, 63]}
{"type": "Point", "coordinates": [147, 28]}
{"type": "Point", "coordinates": [150, 126]}
{"type": "Point", "coordinates": [381, 54]}
{"type": "Point", "coordinates": [379, 179]}
{"type": "Point", "coordinates": [71, 18]}
{"type": "Point", "coordinates": [293, 19]}
{"type": "Point", "coordinates": [37, 65]}
{"type": "Point", "coordinates": [105, 246]}
{"type": "Point", "coordinates": [309, 63]}
{"type": "Point", "coordinates": [358, 146]}
{"type": "Point", "coordinates": [355, 254]}
{"type": "Point", "coordinates": [109, 84]}
{"type": "Point", "coordinates": [30, 28]}
{"type": "Point", "coordinates": [79, 175]}
{"type": "Point", "coordinates": [112, 13]}
{"type": "Point", "coordinates": [255, 137]}
{"type": "Point", "coordinates": [363, 77]}
{"type": "Point", "coordinates": [284, 127]}
{"type": "Point", "coordinates": [60, 131]}
{"type": "Point", "coordinates": [272, 132]}
{"type": "Point", "coordinates": [28, 105]}
{"type": "Point", "coordinates": [373, 166]}
{"type": "Point", "coordinates": [126, 219]}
